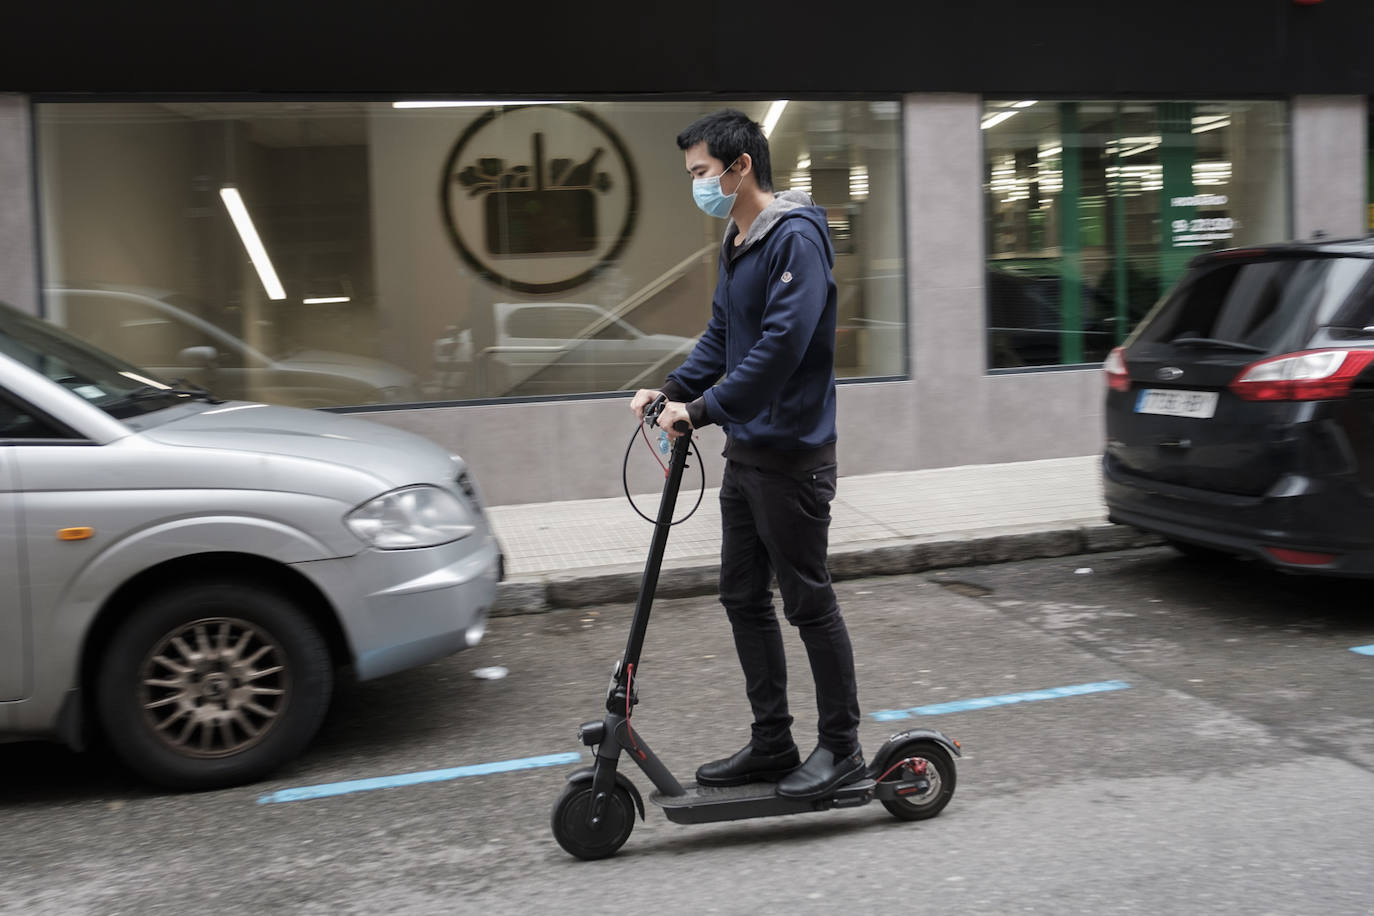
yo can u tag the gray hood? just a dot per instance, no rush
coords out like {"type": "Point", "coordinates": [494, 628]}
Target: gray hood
{"type": "Point", "coordinates": [783, 202]}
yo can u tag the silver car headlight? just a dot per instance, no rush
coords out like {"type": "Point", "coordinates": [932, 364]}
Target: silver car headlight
{"type": "Point", "coordinates": [419, 516]}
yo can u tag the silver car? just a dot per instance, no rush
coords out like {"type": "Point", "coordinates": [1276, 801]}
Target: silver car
{"type": "Point", "coordinates": [185, 574]}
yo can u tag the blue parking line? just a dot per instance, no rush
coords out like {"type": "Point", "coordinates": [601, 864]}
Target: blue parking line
{"type": "Point", "coordinates": [1363, 650]}
{"type": "Point", "coordinates": [410, 779]}
{"type": "Point", "coordinates": [326, 790]}
{"type": "Point", "coordinates": [1007, 699]}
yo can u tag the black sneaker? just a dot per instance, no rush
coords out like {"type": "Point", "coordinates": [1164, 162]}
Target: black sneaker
{"type": "Point", "coordinates": [823, 772]}
{"type": "Point", "coordinates": [748, 765]}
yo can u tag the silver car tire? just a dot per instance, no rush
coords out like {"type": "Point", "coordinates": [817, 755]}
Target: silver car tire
{"type": "Point", "coordinates": [212, 685]}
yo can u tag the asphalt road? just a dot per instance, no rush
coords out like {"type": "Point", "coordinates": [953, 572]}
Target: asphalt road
{"type": "Point", "coordinates": [1228, 771]}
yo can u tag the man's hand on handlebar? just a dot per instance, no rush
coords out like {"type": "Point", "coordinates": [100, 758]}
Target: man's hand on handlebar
{"type": "Point", "coordinates": [672, 413]}
{"type": "Point", "coordinates": [642, 399]}
{"type": "Point", "coordinates": [673, 419]}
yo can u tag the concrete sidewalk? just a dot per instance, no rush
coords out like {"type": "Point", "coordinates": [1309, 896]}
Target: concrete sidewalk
{"type": "Point", "coordinates": [583, 552]}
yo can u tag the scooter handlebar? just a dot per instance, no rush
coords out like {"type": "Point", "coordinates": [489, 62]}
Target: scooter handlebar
{"type": "Point", "coordinates": [655, 408]}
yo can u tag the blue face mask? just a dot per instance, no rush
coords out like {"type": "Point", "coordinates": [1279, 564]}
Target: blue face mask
{"type": "Point", "coordinates": [709, 197]}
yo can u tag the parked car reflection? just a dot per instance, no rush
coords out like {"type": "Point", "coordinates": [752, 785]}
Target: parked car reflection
{"type": "Point", "coordinates": [1025, 317]}
{"type": "Point", "coordinates": [544, 348]}
{"type": "Point", "coordinates": [144, 328]}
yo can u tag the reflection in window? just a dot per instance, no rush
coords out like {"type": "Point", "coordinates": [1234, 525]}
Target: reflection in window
{"type": "Point", "coordinates": [19, 423]}
{"type": "Point", "coordinates": [337, 254]}
{"type": "Point", "coordinates": [1095, 208]}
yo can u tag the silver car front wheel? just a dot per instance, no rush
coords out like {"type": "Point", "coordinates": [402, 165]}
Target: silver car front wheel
{"type": "Point", "coordinates": [214, 687]}
{"type": "Point", "coordinates": [213, 684]}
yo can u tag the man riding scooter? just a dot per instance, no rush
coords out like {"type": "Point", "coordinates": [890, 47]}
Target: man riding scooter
{"type": "Point", "coordinates": [764, 370]}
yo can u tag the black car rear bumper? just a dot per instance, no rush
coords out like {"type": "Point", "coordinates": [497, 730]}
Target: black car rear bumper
{"type": "Point", "coordinates": [1332, 515]}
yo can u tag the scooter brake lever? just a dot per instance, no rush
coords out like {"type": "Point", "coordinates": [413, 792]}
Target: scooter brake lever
{"type": "Point", "coordinates": [655, 408]}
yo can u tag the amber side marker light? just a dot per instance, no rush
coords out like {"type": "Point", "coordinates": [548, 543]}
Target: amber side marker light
{"type": "Point", "coordinates": [75, 534]}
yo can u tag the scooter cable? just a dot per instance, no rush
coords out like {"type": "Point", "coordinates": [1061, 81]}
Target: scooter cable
{"type": "Point", "coordinates": [625, 475]}
{"type": "Point", "coordinates": [644, 434]}
{"type": "Point", "coordinates": [629, 702]}
{"type": "Point", "coordinates": [899, 763]}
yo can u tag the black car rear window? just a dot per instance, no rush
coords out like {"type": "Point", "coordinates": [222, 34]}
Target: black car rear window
{"type": "Point", "coordinates": [1272, 304]}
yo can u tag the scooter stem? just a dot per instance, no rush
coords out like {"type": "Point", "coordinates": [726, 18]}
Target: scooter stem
{"type": "Point", "coordinates": [615, 699]}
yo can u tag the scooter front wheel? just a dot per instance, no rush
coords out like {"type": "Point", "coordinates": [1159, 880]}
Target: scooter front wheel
{"type": "Point", "coordinates": [577, 836]}
{"type": "Point", "coordinates": [922, 758]}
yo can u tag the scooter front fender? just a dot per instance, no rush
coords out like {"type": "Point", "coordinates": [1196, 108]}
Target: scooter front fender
{"type": "Point", "coordinates": [585, 776]}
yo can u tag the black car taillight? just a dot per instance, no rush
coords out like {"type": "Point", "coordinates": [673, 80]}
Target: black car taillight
{"type": "Point", "coordinates": [1316, 375]}
{"type": "Point", "coordinates": [1118, 379]}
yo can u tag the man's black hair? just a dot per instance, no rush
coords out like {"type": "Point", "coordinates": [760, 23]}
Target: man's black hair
{"type": "Point", "coordinates": [728, 134]}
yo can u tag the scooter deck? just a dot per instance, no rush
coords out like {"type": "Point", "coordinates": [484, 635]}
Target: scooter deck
{"type": "Point", "coordinates": [709, 804]}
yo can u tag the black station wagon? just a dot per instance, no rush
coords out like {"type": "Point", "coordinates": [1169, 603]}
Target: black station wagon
{"type": "Point", "coordinates": [1240, 413]}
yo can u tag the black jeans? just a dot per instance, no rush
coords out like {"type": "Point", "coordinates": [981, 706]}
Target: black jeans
{"type": "Point", "coordinates": [779, 523]}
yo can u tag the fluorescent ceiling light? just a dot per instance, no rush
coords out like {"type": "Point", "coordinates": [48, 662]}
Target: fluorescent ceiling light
{"type": "Point", "coordinates": [325, 300]}
{"type": "Point", "coordinates": [994, 120]}
{"type": "Point", "coordinates": [256, 253]}
{"type": "Point", "coordinates": [1050, 153]}
{"type": "Point", "coordinates": [1212, 125]}
{"type": "Point", "coordinates": [490, 103]}
{"type": "Point", "coordinates": [858, 182]}
{"type": "Point", "coordinates": [1139, 149]}
{"type": "Point", "coordinates": [770, 120]}
{"type": "Point", "coordinates": [1026, 104]}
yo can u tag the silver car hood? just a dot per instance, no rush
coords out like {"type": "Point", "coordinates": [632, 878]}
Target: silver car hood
{"type": "Point", "coordinates": [388, 457]}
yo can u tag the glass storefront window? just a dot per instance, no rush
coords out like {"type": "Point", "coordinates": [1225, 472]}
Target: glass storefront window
{"type": "Point", "coordinates": [1095, 207]}
{"type": "Point", "coordinates": [343, 254]}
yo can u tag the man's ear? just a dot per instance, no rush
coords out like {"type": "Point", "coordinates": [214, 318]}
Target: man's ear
{"type": "Point", "coordinates": [746, 170]}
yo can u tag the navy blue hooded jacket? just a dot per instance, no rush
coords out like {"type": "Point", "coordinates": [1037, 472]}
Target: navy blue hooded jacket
{"type": "Point", "coordinates": [764, 368]}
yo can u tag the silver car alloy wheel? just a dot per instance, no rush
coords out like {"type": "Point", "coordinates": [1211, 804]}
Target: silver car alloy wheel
{"type": "Point", "coordinates": [214, 687]}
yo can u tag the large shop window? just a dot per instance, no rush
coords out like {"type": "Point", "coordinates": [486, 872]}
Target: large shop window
{"type": "Point", "coordinates": [1094, 209]}
{"type": "Point", "coordinates": [347, 254]}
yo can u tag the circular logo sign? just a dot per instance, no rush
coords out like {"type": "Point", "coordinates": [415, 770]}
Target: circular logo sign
{"type": "Point", "coordinates": [539, 198]}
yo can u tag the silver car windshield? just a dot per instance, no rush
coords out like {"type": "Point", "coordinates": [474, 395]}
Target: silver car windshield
{"type": "Point", "coordinates": [120, 389]}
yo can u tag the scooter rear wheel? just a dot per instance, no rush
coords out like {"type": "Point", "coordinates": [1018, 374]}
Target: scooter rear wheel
{"type": "Point", "coordinates": [939, 773]}
{"type": "Point", "coordinates": [575, 835]}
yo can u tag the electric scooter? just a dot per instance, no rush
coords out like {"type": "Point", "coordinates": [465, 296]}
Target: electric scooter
{"type": "Point", "coordinates": [912, 774]}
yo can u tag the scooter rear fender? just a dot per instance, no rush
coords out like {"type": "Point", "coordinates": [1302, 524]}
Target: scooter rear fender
{"type": "Point", "coordinates": [585, 776]}
{"type": "Point", "coordinates": [887, 754]}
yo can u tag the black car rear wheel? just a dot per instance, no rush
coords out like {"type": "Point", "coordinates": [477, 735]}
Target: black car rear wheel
{"type": "Point", "coordinates": [212, 685]}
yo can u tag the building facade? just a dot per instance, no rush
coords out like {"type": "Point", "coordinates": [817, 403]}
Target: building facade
{"type": "Point", "coordinates": [485, 235]}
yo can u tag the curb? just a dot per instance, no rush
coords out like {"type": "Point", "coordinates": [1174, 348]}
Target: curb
{"type": "Point", "coordinates": [541, 594]}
